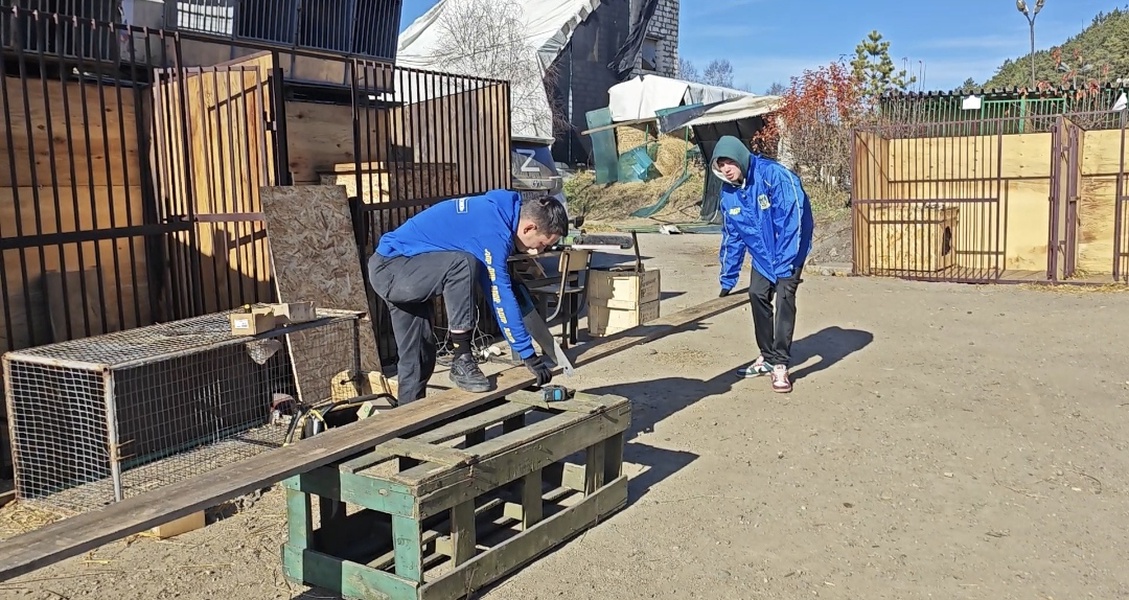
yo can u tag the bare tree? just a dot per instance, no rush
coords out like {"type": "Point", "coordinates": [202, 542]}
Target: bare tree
{"type": "Point", "coordinates": [687, 71]}
{"type": "Point", "coordinates": [487, 38]}
{"type": "Point", "coordinates": [719, 72]}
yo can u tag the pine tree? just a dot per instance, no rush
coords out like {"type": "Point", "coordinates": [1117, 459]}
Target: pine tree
{"type": "Point", "coordinates": [874, 69]}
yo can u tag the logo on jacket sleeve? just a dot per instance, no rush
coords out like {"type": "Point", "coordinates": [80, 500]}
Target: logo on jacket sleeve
{"type": "Point", "coordinates": [762, 201]}
{"type": "Point", "coordinates": [736, 210]}
{"type": "Point", "coordinates": [461, 205]}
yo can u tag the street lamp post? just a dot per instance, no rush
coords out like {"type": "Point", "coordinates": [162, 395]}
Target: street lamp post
{"type": "Point", "coordinates": [1021, 5]}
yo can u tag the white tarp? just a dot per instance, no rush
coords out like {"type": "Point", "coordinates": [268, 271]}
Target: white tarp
{"type": "Point", "coordinates": [547, 26]}
{"type": "Point", "coordinates": [740, 108]}
{"type": "Point", "coordinates": [640, 97]}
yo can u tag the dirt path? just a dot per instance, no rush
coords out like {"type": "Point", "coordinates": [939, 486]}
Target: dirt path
{"type": "Point", "coordinates": [943, 441]}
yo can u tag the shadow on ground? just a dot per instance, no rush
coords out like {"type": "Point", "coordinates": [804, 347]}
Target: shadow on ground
{"type": "Point", "coordinates": [831, 345]}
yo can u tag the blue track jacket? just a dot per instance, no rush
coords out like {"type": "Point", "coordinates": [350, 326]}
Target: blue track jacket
{"type": "Point", "coordinates": [768, 214]}
{"type": "Point", "coordinates": [482, 226]}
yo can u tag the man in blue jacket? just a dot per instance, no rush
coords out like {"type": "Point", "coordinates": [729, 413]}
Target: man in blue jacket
{"type": "Point", "coordinates": [767, 213]}
{"type": "Point", "coordinates": [447, 250]}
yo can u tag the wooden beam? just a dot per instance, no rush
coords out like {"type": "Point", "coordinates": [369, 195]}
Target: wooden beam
{"type": "Point", "coordinates": [82, 533]}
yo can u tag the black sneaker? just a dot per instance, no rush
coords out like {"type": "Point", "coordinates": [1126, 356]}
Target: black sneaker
{"type": "Point", "coordinates": [466, 374]}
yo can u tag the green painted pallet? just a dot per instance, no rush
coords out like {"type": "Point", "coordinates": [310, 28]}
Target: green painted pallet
{"type": "Point", "coordinates": [451, 509]}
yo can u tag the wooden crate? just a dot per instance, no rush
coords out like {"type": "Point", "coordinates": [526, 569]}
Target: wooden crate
{"type": "Point", "coordinates": [623, 289]}
{"type": "Point", "coordinates": [622, 299]}
{"type": "Point", "coordinates": [449, 510]}
{"type": "Point", "coordinates": [916, 238]}
{"type": "Point", "coordinates": [604, 320]}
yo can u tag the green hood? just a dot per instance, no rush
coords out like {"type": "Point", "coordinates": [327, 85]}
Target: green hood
{"type": "Point", "coordinates": [731, 148]}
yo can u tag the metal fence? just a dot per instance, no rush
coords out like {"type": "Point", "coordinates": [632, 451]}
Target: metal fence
{"type": "Point", "coordinates": [129, 190]}
{"type": "Point", "coordinates": [978, 202]}
{"type": "Point", "coordinates": [1019, 113]}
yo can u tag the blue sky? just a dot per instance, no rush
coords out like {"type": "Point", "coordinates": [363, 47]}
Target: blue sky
{"type": "Point", "coordinates": [772, 40]}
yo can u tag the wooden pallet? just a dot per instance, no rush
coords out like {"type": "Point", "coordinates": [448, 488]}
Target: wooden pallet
{"type": "Point", "coordinates": [446, 511]}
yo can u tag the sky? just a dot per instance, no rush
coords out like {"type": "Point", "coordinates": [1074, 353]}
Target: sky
{"type": "Point", "coordinates": [941, 42]}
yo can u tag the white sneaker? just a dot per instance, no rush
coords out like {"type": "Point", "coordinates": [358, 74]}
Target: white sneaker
{"type": "Point", "coordinates": [757, 369]}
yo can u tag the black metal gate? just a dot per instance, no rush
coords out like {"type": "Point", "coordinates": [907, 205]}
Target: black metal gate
{"type": "Point", "coordinates": [214, 146]}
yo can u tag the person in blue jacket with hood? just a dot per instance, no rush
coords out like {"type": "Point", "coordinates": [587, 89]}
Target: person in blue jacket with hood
{"type": "Point", "coordinates": [767, 213]}
{"type": "Point", "coordinates": [447, 250]}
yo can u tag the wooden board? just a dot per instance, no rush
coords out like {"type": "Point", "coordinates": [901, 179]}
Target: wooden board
{"type": "Point", "coordinates": [1028, 224]}
{"type": "Point", "coordinates": [118, 259]}
{"type": "Point", "coordinates": [76, 535]}
{"type": "Point", "coordinates": [975, 157]}
{"type": "Point", "coordinates": [58, 134]}
{"type": "Point", "coordinates": [1096, 219]}
{"type": "Point", "coordinates": [871, 180]}
{"type": "Point", "coordinates": [231, 157]}
{"type": "Point", "coordinates": [314, 258]}
{"type": "Point", "coordinates": [72, 165]}
{"type": "Point", "coordinates": [320, 136]}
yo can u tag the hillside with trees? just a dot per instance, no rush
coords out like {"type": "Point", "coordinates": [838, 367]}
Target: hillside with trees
{"type": "Point", "coordinates": [1099, 54]}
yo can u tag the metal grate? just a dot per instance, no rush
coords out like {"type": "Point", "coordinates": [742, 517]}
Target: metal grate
{"type": "Point", "coordinates": [104, 418]}
{"type": "Point", "coordinates": [357, 27]}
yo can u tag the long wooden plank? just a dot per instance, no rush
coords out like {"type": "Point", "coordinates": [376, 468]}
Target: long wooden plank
{"type": "Point", "coordinates": [70, 537]}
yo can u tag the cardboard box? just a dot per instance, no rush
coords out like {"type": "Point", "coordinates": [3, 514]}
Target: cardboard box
{"type": "Point", "coordinates": [606, 320]}
{"type": "Point", "coordinates": [294, 312]}
{"type": "Point", "coordinates": [259, 320]}
{"type": "Point", "coordinates": [623, 289]}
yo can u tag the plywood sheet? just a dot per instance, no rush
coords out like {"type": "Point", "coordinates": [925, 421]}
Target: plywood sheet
{"type": "Point", "coordinates": [872, 181]}
{"type": "Point", "coordinates": [1028, 224]}
{"type": "Point", "coordinates": [315, 259]}
{"type": "Point", "coordinates": [1101, 152]}
{"type": "Point", "coordinates": [973, 157]}
{"type": "Point", "coordinates": [1096, 219]}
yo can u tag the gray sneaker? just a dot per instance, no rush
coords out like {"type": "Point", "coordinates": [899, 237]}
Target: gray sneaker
{"type": "Point", "coordinates": [467, 376]}
{"type": "Point", "coordinates": [758, 368]}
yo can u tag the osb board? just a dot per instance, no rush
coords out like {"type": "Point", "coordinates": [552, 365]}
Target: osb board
{"type": "Point", "coordinates": [120, 259]}
{"type": "Point", "coordinates": [402, 183]}
{"type": "Point", "coordinates": [315, 259]}
{"type": "Point", "coordinates": [320, 136]}
{"type": "Point", "coordinates": [72, 147]}
{"type": "Point", "coordinates": [871, 180]}
{"type": "Point", "coordinates": [1096, 218]}
{"type": "Point", "coordinates": [1028, 224]}
{"type": "Point", "coordinates": [971, 157]}
{"type": "Point", "coordinates": [471, 129]}
{"type": "Point", "coordinates": [1101, 152]}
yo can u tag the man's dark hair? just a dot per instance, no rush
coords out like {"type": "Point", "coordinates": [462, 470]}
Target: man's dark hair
{"type": "Point", "coordinates": [547, 213]}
